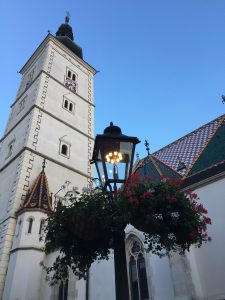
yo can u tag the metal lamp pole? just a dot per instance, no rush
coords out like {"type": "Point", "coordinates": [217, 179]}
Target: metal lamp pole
{"type": "Point", "coordinates": [111, 149]}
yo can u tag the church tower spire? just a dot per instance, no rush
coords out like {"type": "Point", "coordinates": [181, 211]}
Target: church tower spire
{"type": "Point", "coordinates": [65, 35]}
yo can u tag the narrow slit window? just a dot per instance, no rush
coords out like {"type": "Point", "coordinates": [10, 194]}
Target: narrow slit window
{"type": "Point", "coordinates": [74, 77]}
{"type": "Point", "coordinates": [66, 104]}
{"type": "Point", "coordinates": [71, 107]}
{"type": "Point", "coordinates": [69, 74]}
{"type": "Point", "coordinates": [30, 224]}
{"type": "Point", "coordinates": [10, 149]}
{"type": "Point", "coordinates": [41, 228]}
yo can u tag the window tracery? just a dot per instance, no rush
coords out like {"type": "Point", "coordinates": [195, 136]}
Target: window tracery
{"type": "Point", "coordinates": [137, 270]}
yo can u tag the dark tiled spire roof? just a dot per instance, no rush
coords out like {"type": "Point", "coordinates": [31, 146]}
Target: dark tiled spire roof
{"type": "Point", "coordinates": [65, 35]}
{"type": "Point", "coordinates": [39, 196]}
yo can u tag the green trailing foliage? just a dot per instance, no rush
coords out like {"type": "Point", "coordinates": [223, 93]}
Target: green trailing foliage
{"type": "Point", "coordinates": [82, 230]}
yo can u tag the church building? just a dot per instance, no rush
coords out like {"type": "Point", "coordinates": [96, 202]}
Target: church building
{"type": "Point", "coordinates": [48, 144]}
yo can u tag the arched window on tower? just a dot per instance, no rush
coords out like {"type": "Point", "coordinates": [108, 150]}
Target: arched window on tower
{"type": "Point", "coordinates": [64, 150]}
{"type": "Point", "coordinates": [138, 282]}
{"type": "Point", "coordinates": [64, 147]}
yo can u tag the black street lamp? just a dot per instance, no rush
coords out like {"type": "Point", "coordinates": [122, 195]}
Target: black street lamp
{"type": "Point", "coordinates": [113, 157]}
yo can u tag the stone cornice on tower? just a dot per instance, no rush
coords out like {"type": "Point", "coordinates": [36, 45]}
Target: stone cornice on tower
{"type": "Point", "coordinates": [51, 38]}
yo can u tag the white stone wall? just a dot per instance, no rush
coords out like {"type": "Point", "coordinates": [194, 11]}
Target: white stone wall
{"type": "Point", "coordinates": [37, 64]}
{"type": "Point", "coordinates": [160, 285]}
{"type": "Point", "coordinates": [208, 262]}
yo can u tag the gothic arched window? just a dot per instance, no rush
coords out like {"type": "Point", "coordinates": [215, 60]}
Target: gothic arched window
{"type": "Point", "coordinates": [137, 270]}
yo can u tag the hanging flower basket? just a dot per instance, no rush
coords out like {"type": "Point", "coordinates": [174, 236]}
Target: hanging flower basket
{"type": "Point", "coordinates": [172, 220]}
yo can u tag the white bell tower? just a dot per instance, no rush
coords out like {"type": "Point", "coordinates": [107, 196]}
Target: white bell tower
{"type": "Point", "coordinates": [51, 118]}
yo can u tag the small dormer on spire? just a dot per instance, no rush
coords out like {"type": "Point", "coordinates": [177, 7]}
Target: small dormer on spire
{"type": "Point", "coordinates": [39, 197]}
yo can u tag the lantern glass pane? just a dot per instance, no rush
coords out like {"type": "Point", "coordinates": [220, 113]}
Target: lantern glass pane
{"type": "Point", "coordinates": [100, 169]}
{"type": "Point", "coordinates": [116, 171]}
{"type": "Point", "coordinates": [117, 156]}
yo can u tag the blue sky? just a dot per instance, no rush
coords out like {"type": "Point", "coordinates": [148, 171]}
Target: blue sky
{"type": "Point", "coordinates": [161, 63]}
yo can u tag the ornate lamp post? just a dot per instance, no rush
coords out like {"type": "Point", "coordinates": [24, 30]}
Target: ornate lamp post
{"type": "Point", "coordinates": [113, 157]}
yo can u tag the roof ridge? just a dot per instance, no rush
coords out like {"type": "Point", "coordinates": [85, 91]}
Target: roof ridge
{"type": "Point", "coordinates": [155, 165]}
{"type": "Point", "coordinates": [190, 133]}
{"type": "Point", "coordinates": [207, 143]}
{"type": "Point", "coordinates": [207, 168]}
{"type": "Point", "coordinates": [168, 167]}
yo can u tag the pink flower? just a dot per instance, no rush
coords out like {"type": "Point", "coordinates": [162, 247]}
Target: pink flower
{"type": "Point", "coordinates": [171, 198]}
{"type": "Point", "coordinates": [193, 234]}
{"type": "Point", "coordinates": [207, 220]}
{"type": "Point", "coordinates": [193, 196]}
{"type": "Point", "coordinates": [147, 194]}
{"type": "Point", "coordinates": [129, 194]}
{"type": "Point", "coordinates": [134, 200]}
{"type": "Point", "coordinates": [202, 209]}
